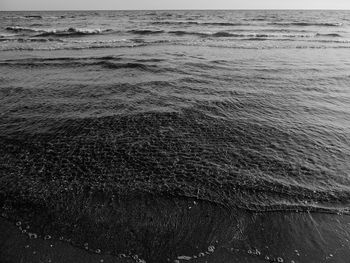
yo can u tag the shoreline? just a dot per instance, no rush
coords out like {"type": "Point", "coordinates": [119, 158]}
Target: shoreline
{"type": "Point", "coordinates": [159, 229]}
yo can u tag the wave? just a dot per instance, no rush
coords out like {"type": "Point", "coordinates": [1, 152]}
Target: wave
{"type": "Point", "coordinates": [181, 33]}
{"type": "Point", "coordinates": [198, 23]}
{"type": "Point", "coordinates": [328, 35]}
{"type": "Point", "coordinates": [129, 65]}
{"type": "Point", "coordinates": [21, 29]}
{"type": "Point", "coordinates": [74, 32]}
{"type": "Point", "coordinates": [7, 35]}
{"type": "Point", "coordinates": [145, 32]}
{"type": "Point", "coordinates": [326, 24]}
{"type": "Point", "coordinates": [306, 24]}
{"type": "Point", "coordinates": [237, 35]}
{"type": "Point", "coordinates": [23, 40]}
{"type": "Point", "coordinates": [58, 32]}
{"type": "Point", "coordinates": [207, 34]}
{"type": "Point", "coordinates": [50, 48]}
{"type": "Point", "coordinates": [109, 62]}
{"type": "Point", "coordinates": [34, 16]}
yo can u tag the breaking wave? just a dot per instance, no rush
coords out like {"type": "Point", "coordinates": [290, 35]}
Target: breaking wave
{"type": "Point", "coordinates": [59, 32]}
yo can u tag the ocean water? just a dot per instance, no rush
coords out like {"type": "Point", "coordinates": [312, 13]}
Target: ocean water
{"type": "Point", "coordinates": [218, 136]}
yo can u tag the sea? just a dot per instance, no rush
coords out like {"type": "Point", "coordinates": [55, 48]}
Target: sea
{"type": "Point", "coordinates": [175, 136]}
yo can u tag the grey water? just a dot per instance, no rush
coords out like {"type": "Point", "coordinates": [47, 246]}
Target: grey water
{"type": "Point", "coordinates": [242, 115]}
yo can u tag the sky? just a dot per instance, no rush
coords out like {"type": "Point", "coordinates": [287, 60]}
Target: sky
{"type": "Point", "coordinates": [170, 4]}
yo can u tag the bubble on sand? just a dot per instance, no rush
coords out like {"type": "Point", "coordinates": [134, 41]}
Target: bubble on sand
{"type": "Point", "coordinates": [279, 260]}
{"type": "Point", "coordinates": [211, 249]}
{"type": "Point", "coordinates": [47, 237]}
{"type": "Point", "coordinates": [86, 246]}
{"type": "Point", "coordinates": [201, 254]}
{"type": "Point", "coordinates": [18, 223]}
{"type": "Point", "coordinates": [32, 235]}
{"type": "Point", "coordinates": [98, 251]}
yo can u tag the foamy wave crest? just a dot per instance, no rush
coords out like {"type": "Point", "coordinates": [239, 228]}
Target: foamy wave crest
{"type": "Point", "coordinates": [59, 32]}
{"type": "Point", "coordinates": [74, 32]}
{"type": "Point", "coordinates": [22, 29]}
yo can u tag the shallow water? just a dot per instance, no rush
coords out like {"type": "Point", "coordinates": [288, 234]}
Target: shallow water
{"type": "Point", "coordinates": [98, 108]}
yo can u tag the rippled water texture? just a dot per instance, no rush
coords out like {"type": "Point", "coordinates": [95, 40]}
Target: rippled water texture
{"type": "Point", "coordinates": [219, 136]}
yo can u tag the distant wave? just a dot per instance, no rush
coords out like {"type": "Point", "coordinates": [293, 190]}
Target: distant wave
{"type": "Point", "coordinates": [328, 35]}
{"type": "Point", "coordinates": [31, 39]}
{"type": "Point", "coordinates": [50, 48]}
{"type": "Point", "coordinates": [109, 62]}
{"type": "Point", "coordinates": [145, 32]}
{"type": "Point", "coordinates": [306, 24]}
{"type": "Point", "coordinates": [326, 24]}
{"type": "Point", "coordinates": [7, 35]}
{"type": "Point", "coordinates": [58, 32]}
{"type": "Point", "coordinates": [197, 23]}
{"type": "Point", "coordinates": [229, 34]}
{"type": "Point", "coordinates": [34, 16]}
{"type": "Point", "coordinates": [255, 19]}
{"type": "Point", "coordinates": [22, 29]}
{"type": "Point", "coordinates": [130, 65]}
{"type": "Point", "coordinates": [181, 33]}
{"type": "Point", "coordinates": [204, 34]}
{"type": "Point", "coordinates": [74, 32]}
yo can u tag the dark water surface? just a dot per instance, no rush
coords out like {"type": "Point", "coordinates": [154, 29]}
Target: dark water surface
{"type": "Point", "coordinates": [218, 136]}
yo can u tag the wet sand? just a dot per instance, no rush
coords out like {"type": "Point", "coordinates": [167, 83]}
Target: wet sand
{"type": "Point", "coordinates": [18, 247]}
{"type": "Point", "coordinates": [166, 229]}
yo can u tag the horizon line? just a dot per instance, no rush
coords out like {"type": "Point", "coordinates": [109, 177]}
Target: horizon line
{"type": "Point", "coordinates": [190, 9]}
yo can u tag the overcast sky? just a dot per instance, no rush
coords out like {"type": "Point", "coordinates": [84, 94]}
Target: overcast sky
{"type": "Point", "coordinates": [170, 4]}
